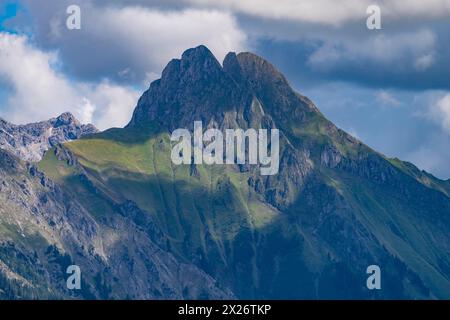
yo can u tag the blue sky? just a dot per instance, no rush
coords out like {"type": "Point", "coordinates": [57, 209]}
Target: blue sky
{"type": "Point", "coordinates": [8, 10]}
{"type": "Point", "coordinates": [388, 87]}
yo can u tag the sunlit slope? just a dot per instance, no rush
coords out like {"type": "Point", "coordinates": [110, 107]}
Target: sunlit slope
{"type": "Point", "coordinates": [212, 217]}
{"type": "Point", "coordinates": [185, 201]}
{"type": "Point", "coordinates": [310, 231]}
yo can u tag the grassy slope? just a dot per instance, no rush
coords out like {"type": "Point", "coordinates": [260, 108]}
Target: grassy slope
{"type": "Point", "coordinates": [403, 229]}
{"type": "Point", "coordinates": [135, 165]}
{"type": "Point", "coordinates": [422, 176]}
{"type": "Point", "coordinates": [182, 203]}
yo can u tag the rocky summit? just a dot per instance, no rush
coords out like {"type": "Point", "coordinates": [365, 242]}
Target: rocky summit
{"type": "Point", "coordinates": [29, 142]}
{"type": "Point", "coordinates": [141, 227]}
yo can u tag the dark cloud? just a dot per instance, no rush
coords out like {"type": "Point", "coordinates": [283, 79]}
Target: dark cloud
{"type": "Point", "coordinates": [409, 54]}
{"type": "Point", "coordinates": [128, 44]}
{"type": "Point", "coordinates": [416, 59]}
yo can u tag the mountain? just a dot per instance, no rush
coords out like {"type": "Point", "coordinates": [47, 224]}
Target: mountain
{"type": "Point", "coordinates": [43, 230]}
{"type": "Point", "coordinates": [310, 231]}
{"type": "Point", "coordinates": [29, 142]}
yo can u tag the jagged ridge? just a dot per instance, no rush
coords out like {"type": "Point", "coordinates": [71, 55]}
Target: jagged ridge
{"type": "Point", "coordinates": [29, 142]}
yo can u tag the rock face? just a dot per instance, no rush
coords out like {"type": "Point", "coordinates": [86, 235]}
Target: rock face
{"type": "Point", "coordinates": [29, 142]}
{"type": "Point", "coordinates": [44, 229]}
{"type": "Point", "coordinates": [197, 87]}
{"type": "Point", "coordinates": [142, 227]}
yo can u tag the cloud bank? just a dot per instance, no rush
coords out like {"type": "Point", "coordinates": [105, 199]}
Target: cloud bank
{"type": "Point", "coordinates": [331, 12]}
{"type": "Point", "coordinates": [88, 71]}
{"type": "Point", "coordinates": [128, 43]}
{"type": "Point", "coordinates": [40, 91]}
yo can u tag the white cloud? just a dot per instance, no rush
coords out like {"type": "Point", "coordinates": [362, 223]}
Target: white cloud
{"type": "Point", "coordinates": [137, 42]}
{"type": "Point", "coordinates": [155, 37]}
{"type": "Point", "coordinates": [40, 91]}
{"type": "Point", "coordinates": [117, 105]}
{"type": "Point", "coordinates": [37, 86]}
{"type": "Point", "coordinates": [413, 49]}
{"type": "Point", "coordinates": [86, 111]}
{"type": "Point", "coordinates": [126, 42]}
{"type": "Point", "coordinates": [387, 99]}
{"type": "Point", "coordinates": [441, 112]}
{"type": "Point", "coordinates": [331, 12]}
{"type": "Point", "coordinates": [424, 62]}
{"type": "Point", "coordinates": [315, 11]}
{"type": "Point", "coordinates": [417, 8]}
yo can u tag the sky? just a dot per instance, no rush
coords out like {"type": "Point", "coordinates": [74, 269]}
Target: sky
{"type": "Point", "coordinates": [389, 87]}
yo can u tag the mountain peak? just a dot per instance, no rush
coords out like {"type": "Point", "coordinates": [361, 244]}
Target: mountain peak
{"type": "Point", "coordinates": [199, 62]}
{"type": "Point", "coordinates": [232, 67]}
{"type": "Point", "coordinates": [196, 63]}
{"type": "Point", "coordinates": [199, 53]}
{"type": "Point", "coordinates": [65, 118]}
{"type": "Point", "coordinates": [30, 141]}
{"type": "Point", "coordinates": [193, 87]}
{"type": "Point", "coordinates": [260, 69]}
{"type": "Point", "coordinates": [198, 87]}
{"type": "Point", "coordinates": [334, 207]}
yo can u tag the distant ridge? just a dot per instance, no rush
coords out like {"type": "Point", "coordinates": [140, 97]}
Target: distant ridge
{"type": "Point", "coordinates": [29, 142]}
